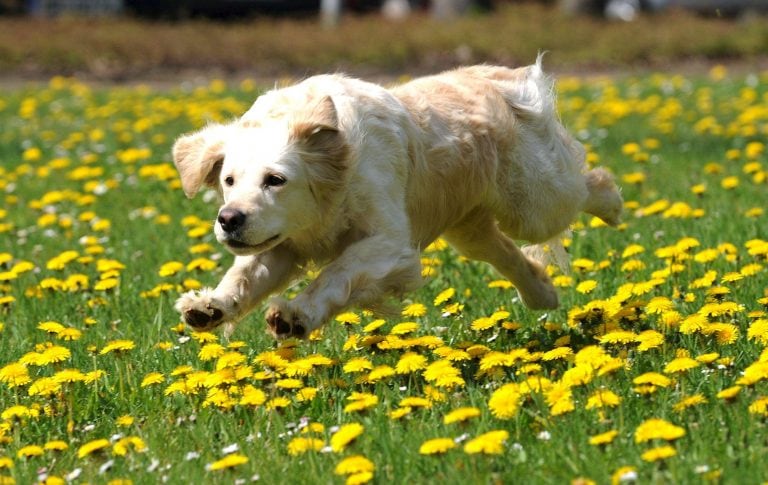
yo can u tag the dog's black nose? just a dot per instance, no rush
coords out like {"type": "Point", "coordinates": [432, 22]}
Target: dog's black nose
{"type": "Point", "coordinates": [231, 219]}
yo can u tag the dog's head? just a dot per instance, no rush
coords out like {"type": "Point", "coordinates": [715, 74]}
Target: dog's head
{"type": "Point", "coordinates": [277, 175]}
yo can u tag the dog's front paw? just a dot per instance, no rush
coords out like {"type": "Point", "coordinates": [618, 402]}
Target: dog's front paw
{"type": "Point", "coordinates": [201, 310]}
{"type": "Point", "coordinates": [284, 322]}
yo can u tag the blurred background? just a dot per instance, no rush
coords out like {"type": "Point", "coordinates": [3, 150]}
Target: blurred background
{"type": "Point", "coordinates": [121, 40]}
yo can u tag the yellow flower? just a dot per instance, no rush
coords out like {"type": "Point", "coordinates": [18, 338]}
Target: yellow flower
{"type": "Point", "coordinates": [410, 362]}
{"type": "Point", "coordinates": [688, 402]}
{"type": "Point", "coordinates": [490, 443]}
{"type": "Point", "coordinates": [729, 393]}
{"type": "Point", "coordinates": [56, 445]}
{"type": "Point", "coordinates": [603, 438]}
{"type": "Point", "coordinates": [444, 296]}
{"type": "Point", "coordinates": [658, 453]}
{"type": "Point", "coordinates": [348, 318]}
{"type": "Point", "coordinates": [460, 415]}
{"type": "Point", "coordinates": [505, 401]}
{"type": "Point", "coordinates": [152, 378]}
{"type": "Point", "coordinates": [123, 445]}
{"type": "Point", "coordinates": [603, 398]}
{"type": "Point", "coordinates": [228, 461]}
{"type": "Point", "coordinates": [653, 429]}
{"type": "Point", "coordinates": [586, 286]}
{"type": "Point", "coordinates": [680, 364]}
{"type": "Point", "coordinates": [414, 310]}
{"type": "Point", "coordinates": [125, 420]}
{"type": "Point", "coordinates": [29, 451]}
{"type": "Point", "coordinates": [345, 435]}
{"type": "Point", "coordinates": [354, 464]}
{"type": "Point", "coordinates": [170, 268]}
{"type": "Point", "coordinates": [92, 447]}
{"type": "Point", "coordinates": [15, 374]}
{"type": "Point", "coordinates": [404, 328]}
{"type": "Point", "coordinates": [117, 346]}
{"type": "Point", "coordinates": [436, 446]}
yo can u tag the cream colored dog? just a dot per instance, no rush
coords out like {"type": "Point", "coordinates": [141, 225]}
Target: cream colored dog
{"type": "Point", "coordinates": [359, 179]}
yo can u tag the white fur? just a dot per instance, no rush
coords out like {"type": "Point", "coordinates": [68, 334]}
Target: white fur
{"type": "Point", "coordinates": [372, 176]}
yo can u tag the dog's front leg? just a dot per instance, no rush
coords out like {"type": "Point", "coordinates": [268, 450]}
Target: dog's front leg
{"type": "Point", "coordinates": [249, 281]}
{"type": "Point", "coordinates": [363, 274]}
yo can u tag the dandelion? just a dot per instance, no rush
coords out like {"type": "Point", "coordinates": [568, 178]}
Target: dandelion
{"type": "Point", "coordinates": [659, 453]}
{"type": "Point", "coordinates": [436, 446]}
{"type": "Point", "coordinates": [117, 346]}
{"type": "Point", "coordinates": [354, 464]}
{"type": "Point", "coordinates": [688, 402]}
{"type": "Point", "coordinates": [152, 378]}
{"type": "Point", "coordinates": [461, 415]}
{"type": "Point", "coordinates": [92, 447]}
{"type": "Point", "coordinates": [490, 443]}
{"type": "Point", "coordinates": [345, 435]}
{"type": "Point", "coordinates": [444, 296]}
{"type": "Point", "coordinates": [680, 364]}
{"type": "Point", "coordinates": [56, 445]}
{"type": "Point", "coordinates": [30, 451]}
{"type": "Point", "coordinates": [348, 318]}
{"type": "Point", "coordinates": [410, 362]}
{"type": "Point", "coordinates": [653, 429]}
{"type": "Point", "coordinates": [603, 398]}
{"type": "Point", "coordinates": [603, 438]}
{"type": "Point", "coordinates": [360, 402]}
{"type": "Point", "coordinates": [414, 310]}
{"type": "Point", "coordinates": [229, 461]}
{"type": "Point", "coordinates": [505, 401]}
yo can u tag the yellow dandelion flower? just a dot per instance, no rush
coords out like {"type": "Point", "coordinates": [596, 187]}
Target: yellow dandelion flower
{"type": "Point", "coordinates": [399, 413]}
{"type": "Point", "coordinates": [680, 364]}
{"type": "Point", "coordinates": [729, 393]}
{"type": "Point", "coordinates": [505, 401]}
{"type": "Point", "coordinates": [688, 402]}
{"type": "Point", "coordinates": [404, 328]}
{"type": "Point", "coordinates": [586, 286]}
{"type": "Point", "coordinates": [357, 364]}
{"type": "Point", "coordinates": [659, 453]}
{"type": "Point", "coordinates": [603, 398]}
{"type": "Point", "coordinates": [252, 396]}
{"type": "Point", "coordinates": [278, 402]}
{"type": "Point", "coordinates": [211, 351]}
{"type": "Point", "coordinates": [414, 310]}
{"type": "Point", "coordinates": [122, 446]}
{"type": "Point", "coordinates": [415, 402]}
{"type": "Point", "coordinates": [354, 464]}
{"type": "Point", "coordinates": [557, 353]}
{"type": "Point", "coordinates": [15, 374]}
{"type": "Point", "coordinates": [603, 438]}
{"type": "Point", "coordinates": [482, 323]}
{"type": "Point", "coordinates": [410, 362]}
{"type": "Point", "coordinates": [360, 401]}
{"type": "Point", "coordinates": [461, 414]}
{"type": "Point", "coordinates": [379, 373]}
{"type": "Point", "coordinates": [490, 443]}
{"type": "Point", "coordinates": [348, 318]}
{"type": "Point", "coordinates": [229, 461]}
{"type": "Point", "coordinates": [152, 378]}
{"type": "Point", "coordinates": [117, 346]}
{"type": "Point", "coordinates": [92, 447]}
{"type": "Point", "coordinates": [618, 337]}
{"type": "Point", "coordinates": [436, 446]}
{"type": "Point", "coordinates": [170, 268]}
{"type": "Point", "coordinates": [759, 406]}
{"type": "Point", "coordinates": [359, 478]}
{"type": "Point", "coordinates": [345, 435]}
{"type": "Point", "coordinates": [56, 445]}
{"type": "Point", "coordinates": [444, 296]}
{"type": "Point", "coordinates": [30, 451]}
{"type": "Point", "coordinates": [657, 429]}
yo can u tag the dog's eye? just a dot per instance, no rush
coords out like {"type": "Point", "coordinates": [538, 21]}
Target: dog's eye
{"type": "Point", "coordinates": [274, 180]}
{"type": "Point", "coordinates": [229, 180]}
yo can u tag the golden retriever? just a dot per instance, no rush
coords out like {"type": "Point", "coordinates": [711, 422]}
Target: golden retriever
{"type": "Point", "coordinates": [359, 179]}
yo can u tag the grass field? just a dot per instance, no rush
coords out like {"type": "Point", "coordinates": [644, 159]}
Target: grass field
{"type": "Point", "coordinates": [653, 370]}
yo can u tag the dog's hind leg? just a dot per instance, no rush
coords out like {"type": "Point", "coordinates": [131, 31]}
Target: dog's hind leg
{"type": "Point", "coordinates": [478, 237]}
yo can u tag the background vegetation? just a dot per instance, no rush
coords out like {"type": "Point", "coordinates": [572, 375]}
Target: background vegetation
{"type": "Point", "coordinates": [120, 48]}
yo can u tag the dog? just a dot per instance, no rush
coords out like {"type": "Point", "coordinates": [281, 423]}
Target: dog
{"type": "Point", "coordinates": [359, 179]}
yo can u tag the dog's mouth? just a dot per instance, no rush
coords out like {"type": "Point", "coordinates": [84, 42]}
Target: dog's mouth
{"type": "Point", "coordinates": [241, 246]}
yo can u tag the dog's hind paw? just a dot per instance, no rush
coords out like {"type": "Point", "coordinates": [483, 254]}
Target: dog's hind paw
{"type": "Point", "coordinates": [201, 310]}
{"type": "Point", "coordinates": [284, 323]}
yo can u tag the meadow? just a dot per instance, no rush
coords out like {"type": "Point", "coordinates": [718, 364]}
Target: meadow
{"type": "Point", "coordinates": [653, 370]}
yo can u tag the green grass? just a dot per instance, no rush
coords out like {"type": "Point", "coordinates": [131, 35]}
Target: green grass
{"type": "Point", "coordinates": [88, 170]}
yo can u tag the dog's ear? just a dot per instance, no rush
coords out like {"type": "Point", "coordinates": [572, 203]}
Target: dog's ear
{"type": "Point", "coordinates": [317, 126]}
{"type": "Point", "coordinates": [198, 158]}
{"type": "Point", "coordinates": [323, 146]}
